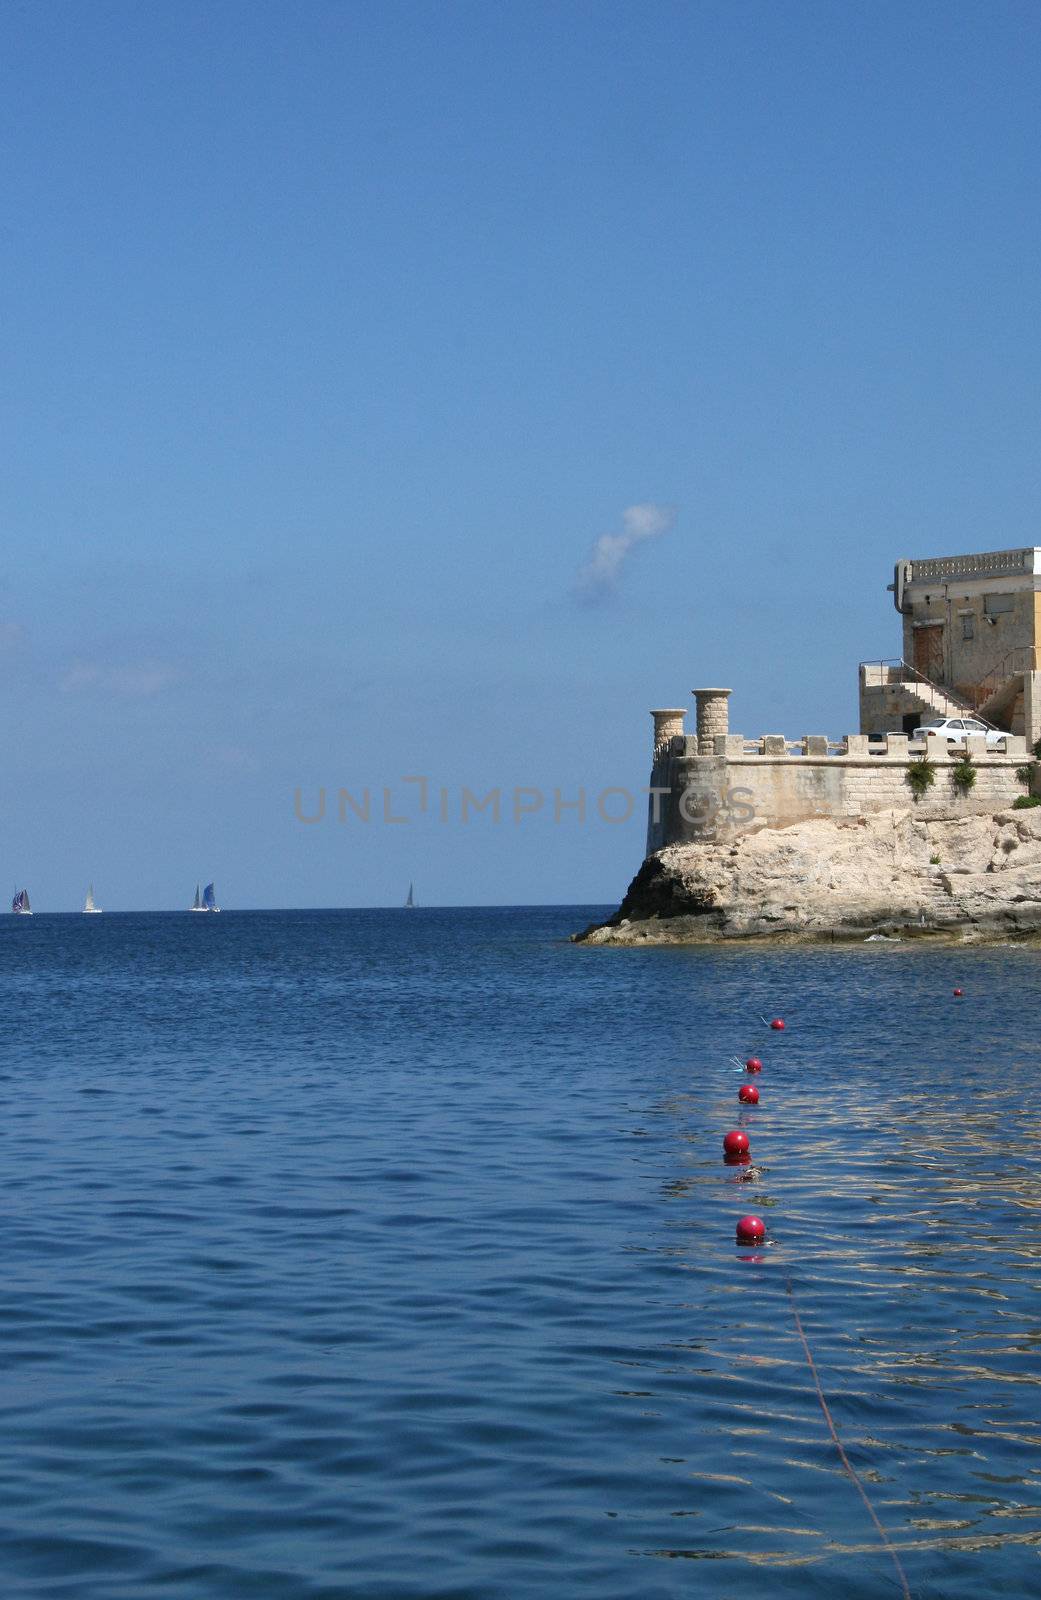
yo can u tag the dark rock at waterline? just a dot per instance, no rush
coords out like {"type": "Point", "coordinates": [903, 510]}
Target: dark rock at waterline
{"type": "Point", "coordinates": [970, 877]}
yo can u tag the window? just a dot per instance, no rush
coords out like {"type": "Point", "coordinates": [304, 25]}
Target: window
{"type": "Point", "coordinates": [968, 625]}
{"type": "Point", "coordinates": [995, 604]}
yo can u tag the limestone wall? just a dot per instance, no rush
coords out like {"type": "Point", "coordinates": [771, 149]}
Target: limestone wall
{"type": "Point", "coordinates": [965, 661]}
{"type": "Point", "coordinates": [773, 783]}
{"type": "Point", "coordinates": [885, 702]}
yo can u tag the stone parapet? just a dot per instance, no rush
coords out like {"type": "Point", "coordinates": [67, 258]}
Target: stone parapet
{"type": "Point", "coordinates": [745, 785]}
{"type": "Point", "coordinates": [887, 747]}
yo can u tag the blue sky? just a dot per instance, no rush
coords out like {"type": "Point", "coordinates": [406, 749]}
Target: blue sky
{"type": "Point", "coordinates": [336, 336]}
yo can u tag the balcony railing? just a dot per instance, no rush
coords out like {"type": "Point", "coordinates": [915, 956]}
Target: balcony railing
{"type": "Point", "coordinates": [989, 564]}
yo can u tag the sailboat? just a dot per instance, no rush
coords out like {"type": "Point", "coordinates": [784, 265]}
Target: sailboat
{"type": "Point", "coordinates": [197, 904]}
{"type": "Point", "coordinates": [20, 904]}
{"type": "Point", "coordinates": [89, 908]}
{"type": "Point", "coordinates": [209, 902]}
{"type": "Point", "coordinates": [410, 904]}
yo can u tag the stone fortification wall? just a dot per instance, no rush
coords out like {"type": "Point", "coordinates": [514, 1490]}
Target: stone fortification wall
{"type": "Point", "coordinates": [772, 782]}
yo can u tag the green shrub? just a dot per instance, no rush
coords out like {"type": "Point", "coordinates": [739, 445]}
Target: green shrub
{"type": "Point", "coordinates": [1026, 774]}
{"type": "Point", "coordinates": [921, 775]}
{"type": "Point", "coordinates": [1026, 802]}
{"type": "Point", "coordinates": [963, 775]}
{"type": "Point", "coordinates": [1037, 750]}
{"type": "Point", "coordinates": [934, 861]}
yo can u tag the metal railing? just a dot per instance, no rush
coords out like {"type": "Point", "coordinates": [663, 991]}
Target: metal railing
{"type": "Point", "coordinates": [1022, 659]}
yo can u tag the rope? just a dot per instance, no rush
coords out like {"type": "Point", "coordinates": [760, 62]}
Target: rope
{"type": "Point", "coordinates": [843, 1457]}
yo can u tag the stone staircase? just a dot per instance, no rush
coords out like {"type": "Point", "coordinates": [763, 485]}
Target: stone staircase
{"type": "Point", "coordinates": [998, 696]}
{"type": "Point", "coordinates": [940, 701]}
{"type": "Point", "coordinates": [999, 704]}
{"type": "Point", "coordinates": [931, 698]}
{"type": "Point", "coordinates": [996, 700]}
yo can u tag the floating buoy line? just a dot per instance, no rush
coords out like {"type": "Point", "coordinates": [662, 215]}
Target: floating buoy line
{"type": "Point", "coordinates": [751, 1230]}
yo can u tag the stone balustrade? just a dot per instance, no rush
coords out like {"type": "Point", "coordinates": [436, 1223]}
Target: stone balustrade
{"type": "Point", "coordinates": [989, 563]}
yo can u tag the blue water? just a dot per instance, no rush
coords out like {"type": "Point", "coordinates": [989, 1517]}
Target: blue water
{"type": "Point", "coordinates": [377, 1254]}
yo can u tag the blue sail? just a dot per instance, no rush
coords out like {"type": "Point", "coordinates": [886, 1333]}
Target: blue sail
{"type": "Point", "coordinates": [209, 899]}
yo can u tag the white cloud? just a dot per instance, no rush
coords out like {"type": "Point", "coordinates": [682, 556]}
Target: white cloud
{"type": "Point", "coordinates": [133, 680]}
{"type": "Point", "coordinates": [599, 575]}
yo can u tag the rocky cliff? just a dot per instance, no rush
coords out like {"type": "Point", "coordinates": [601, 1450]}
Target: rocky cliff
{"type": "Point", "coordinates": [975, 877]}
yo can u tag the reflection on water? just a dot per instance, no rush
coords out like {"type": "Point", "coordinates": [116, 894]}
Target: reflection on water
{"type": "Point", "coordinates": [902, 1170]}
{"type": "Point", "coordinates": [369, 1255]}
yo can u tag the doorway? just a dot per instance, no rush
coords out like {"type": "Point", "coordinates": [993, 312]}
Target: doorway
{"type": "Point", "coordinates": [928, 651]}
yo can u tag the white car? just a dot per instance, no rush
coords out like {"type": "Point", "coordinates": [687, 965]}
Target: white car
{"type": "Point", "coordinates": [956, 729]}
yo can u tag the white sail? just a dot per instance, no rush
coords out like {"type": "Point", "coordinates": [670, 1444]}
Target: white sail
{"type": "Point", "coordinates": [88, 904]}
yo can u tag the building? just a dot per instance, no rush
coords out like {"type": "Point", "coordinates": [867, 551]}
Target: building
{"type": "Point", "coordinates": [971, 638]}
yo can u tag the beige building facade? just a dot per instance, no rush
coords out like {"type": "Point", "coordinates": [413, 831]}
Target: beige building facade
{"type": "Point", "coordinates": [971, 632]}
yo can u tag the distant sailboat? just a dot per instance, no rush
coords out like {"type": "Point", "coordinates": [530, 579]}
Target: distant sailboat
{"type": "Point", "coordinates": [209, 901]}
{"type": "Point", "coordinates": [89, 908]}
{"type": "Point", "coordinates": [410, 904]}
{"type": "Point", "coordinates": [20, 904]}
{"type": "Point", "coordinates": [197, 904]}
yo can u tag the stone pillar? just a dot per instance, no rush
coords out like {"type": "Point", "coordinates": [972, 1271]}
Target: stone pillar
{"type": "Point", "coordinates": [1032, 708]}
{"type": "Point", "coordinates": [667, 724]}
{"type": "Point", "coordinates": [713, 718]}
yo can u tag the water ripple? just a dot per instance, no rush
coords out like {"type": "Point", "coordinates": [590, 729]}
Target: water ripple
{"type": "Point", "coordinates": [362, 1255]}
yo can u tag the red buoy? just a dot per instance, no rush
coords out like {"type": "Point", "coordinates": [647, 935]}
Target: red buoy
{"type": "Point", "coordinates": [751, 1230]}
{"type": "Point", "coordinates": [735, 1143]}
{"type": "Point", "coordinates": [753, 1064]}
{"type": "Point", "coordinates": [778, 1024]}
{"type": "Point", "coordinates": [958, 992]}
{"type": "Point", "coordinates": [749, 1094]}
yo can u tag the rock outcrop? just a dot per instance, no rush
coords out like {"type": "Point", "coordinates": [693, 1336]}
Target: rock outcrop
{"type": "Point", "coordinates": [970, 877]}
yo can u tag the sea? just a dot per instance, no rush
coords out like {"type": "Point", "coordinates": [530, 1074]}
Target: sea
{"type": "Point", "coordinates": [390, 1255]}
